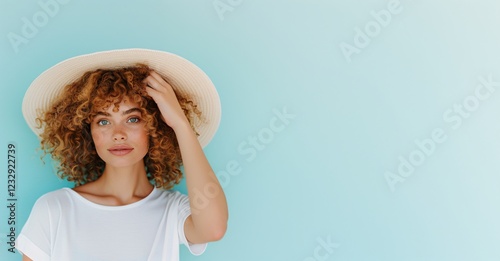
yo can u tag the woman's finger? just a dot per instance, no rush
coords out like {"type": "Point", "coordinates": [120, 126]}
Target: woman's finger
{"type": "Point", "coordinates": [158, 77]}
{"type": "Point", "coordinates": [155, 81]}
{"type": "Point", "coordinates": [152, 82]}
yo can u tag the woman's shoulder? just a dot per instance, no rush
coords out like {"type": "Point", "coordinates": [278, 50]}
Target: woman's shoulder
{"type": "Point", "coordinates": [169, 197]}
{"type": "Point", "coordinates": [170, 193]}
{"type": "Point", "coordinates": [51, 202]}
{"type": "Point", "coordinates": [54, 196]}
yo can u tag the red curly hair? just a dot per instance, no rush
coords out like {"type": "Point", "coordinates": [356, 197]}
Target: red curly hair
{"type": "Point", "coordinates": [66, 125]}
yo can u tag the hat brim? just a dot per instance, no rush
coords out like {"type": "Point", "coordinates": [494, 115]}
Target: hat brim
{"type": "Point", "coordinates": [184, 76]}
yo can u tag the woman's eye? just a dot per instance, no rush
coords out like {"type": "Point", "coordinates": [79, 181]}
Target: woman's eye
{"type": "Point", "coordinates": [134, 120]}
{"type": "Point", "coordinates": [102, 122]}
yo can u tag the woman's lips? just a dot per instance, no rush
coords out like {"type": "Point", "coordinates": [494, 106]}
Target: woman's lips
{"type": "Point", "coordinates": [120, 150]}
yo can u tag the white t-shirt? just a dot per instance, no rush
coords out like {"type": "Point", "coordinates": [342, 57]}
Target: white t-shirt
{"type": "Point", "coordinates": [63, 225]}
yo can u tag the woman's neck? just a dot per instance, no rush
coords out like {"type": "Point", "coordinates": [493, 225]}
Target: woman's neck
{"type": "Point", "coordinates": [127, 184]}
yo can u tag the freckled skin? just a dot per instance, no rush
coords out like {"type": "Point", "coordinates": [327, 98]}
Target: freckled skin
{"type": "Point", "coordinates": [121, 128]}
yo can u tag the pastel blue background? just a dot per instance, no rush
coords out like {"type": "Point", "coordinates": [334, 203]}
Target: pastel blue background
{"type": "Point", "coordinates": [322, 177]}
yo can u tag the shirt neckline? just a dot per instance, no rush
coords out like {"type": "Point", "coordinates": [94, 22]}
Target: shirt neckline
{"type": "Point", "coordinates": [106, 207]}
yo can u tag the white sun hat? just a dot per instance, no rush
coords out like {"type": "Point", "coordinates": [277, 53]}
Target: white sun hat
{"type": "Point", "coordinates": [184, 76]}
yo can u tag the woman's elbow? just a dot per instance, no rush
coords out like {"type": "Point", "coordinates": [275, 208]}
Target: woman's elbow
{"type": "Point", "coordinates": [218, 232]}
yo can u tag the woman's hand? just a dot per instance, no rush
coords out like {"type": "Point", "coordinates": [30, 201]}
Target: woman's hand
{"type": "Point", "coordinates": [164, 96]}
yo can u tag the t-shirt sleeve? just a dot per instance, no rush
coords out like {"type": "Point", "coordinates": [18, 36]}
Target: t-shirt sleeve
{"type": "Point", "coordinates": [34, 239]}
{"type": "Point", "coordinates": [184, 213]}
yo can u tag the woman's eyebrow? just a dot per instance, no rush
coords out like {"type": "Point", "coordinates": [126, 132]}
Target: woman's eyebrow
{"type": "Point", "coordinates": [132, 110]}
{"type": "Point", "coordinates": [129, 111]}
{"type": "Point", "coordinates": [102, 113]}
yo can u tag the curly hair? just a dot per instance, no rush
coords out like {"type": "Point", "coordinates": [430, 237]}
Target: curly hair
{"type": "Point", "coordinates": [66, 125]}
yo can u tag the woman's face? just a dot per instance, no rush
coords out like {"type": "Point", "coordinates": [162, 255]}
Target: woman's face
{"type": "Point", "coordinates": [120, 137]}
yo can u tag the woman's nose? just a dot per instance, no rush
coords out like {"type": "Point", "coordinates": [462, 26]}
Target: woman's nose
{"type": "Point", "coordinates": [119, 135]}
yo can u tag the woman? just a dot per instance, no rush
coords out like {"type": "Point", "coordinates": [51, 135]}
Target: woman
{"type": "Point", "coordinates": [120, 131]}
